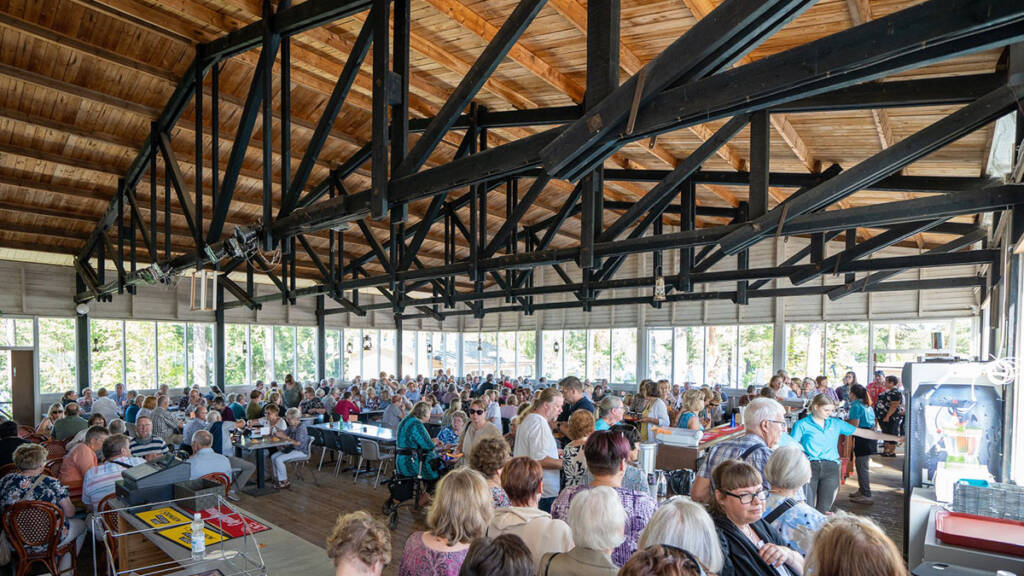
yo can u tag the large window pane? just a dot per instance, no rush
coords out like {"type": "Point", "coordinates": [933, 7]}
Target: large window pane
{"type": "Point", "coordinates": [688, 352]}
{"type": "Point", "coordinates": [507, 353]}
{"type": "Point", "coordinates": [353, 353]}
{"type": "Point", "coordinates": [284, 352]}
{"type": "Point", "coordinates": [23, 332]}
{"type": "Point", "coordinates": [756, 343]}
{"type": "Point", "coordinates": [471, 353]}
{"type": "Point", "coordinates": [107, 355]}
{"type": "Point", "coordinates": [805, 345]}
{"type": "Point", "coordinates": [575, 353]}
{"type": "Point", "coordinates": [371, 362]}
{"type": "Point", "coordinates": [527, 353]}
{"type": "Point", "coordinates": [900, 342]}
{"type": "Point", "coordinates": [305, 353]}
{"type": "Point", "coordinates": [551, 357]}
{"type": "Point", "coordinates": [261, 340]}
{"type": "Point", "coordinates": [721, 356]}
{"type": "Point", "coordinates": [599, 354]}
{"type": "Point", "coordinates": [7, 337]}
{"type": "Point", "coordinates": [624, 355]}
{"type": "Point", "coordinates": [140, 355]}
{"type": "Point", "coordinates": [846, 349]}
{"type": "Point", "coordinates": [56, 355]}
{"type": "Point", "coordinates": [965, 340]}
{"type": "Point", "coordinates": [451, 352]}
{"type": "Point", "coordinates": [414, 346]}
{"type": "Point", "coordinates": [659, 354]}
{"type": "Point", "coordinates": [235, 348]}
{"type": "Point", "coordinates": [489, 353]}
{"type": "Point", "coordinates": [171, 349]}
{"type": "Point", "coordinates": [201, 340]}
{"type": "Point", "coordinates": [332, 354]}
{"type": "Point", "coordinates": [388, 356]}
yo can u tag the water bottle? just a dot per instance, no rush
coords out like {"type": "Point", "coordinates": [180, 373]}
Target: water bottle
{"type": "Point", "coordinates": [198, 537]}
{"type": "Point", "coordinates": [662, 486]}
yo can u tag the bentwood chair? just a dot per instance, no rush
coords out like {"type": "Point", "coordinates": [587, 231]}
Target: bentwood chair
{"type": "Point", "coordinates": [34, 529]}
{"type": "Point", "coordinates": [220, 478]}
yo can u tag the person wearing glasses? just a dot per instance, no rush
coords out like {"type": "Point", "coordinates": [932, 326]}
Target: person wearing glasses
{"type": "Point", "coordinates": [609, 412]}
{"type": "Point", "coordinates": [818, 434]}
{"type": "Point", "coordinates": [56, 412]}
{"type": "Point", "coordinates": [764, 421]}
{"type": "Point", "coordinates": [750, 545]}
{"type": "Point", "coordinates": [477, 429]}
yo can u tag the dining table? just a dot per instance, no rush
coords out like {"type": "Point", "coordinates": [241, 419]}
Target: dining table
{"type": "Point", "coordinates": [257, 446]}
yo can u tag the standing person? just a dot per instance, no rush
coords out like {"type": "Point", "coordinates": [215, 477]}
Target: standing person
{"type": "Point", "coordinates": [889, 412]}
{"type": "Point", "coordinates": [574, 464]}
{"type": "Point", "coordinates": [788, 471]}
{"type": "Point", "coordinates": [359, 545]}
{"type": "Point", "coordinates": [692, 404]}
{"type": "Point", "coordinates": [105, 405]}
{"type": "Point", "coordinates": [477, 429]}
{"type": "Point", "coordinates": [521, 480]}
{"type": "Point", "coordinates": [573, 399]}
{"type": "Point", "coordinates": [493, 408]}
{"type": "Point", "coordinates": [846, 537]}
{"type": "Point", "coordinates": [292, 394]}
{"type": "Point", "coordinates": [862, 416]}
{"type": "Point", "coordinates": [818, 434]}
{"type": "Point", "coordinates": [876, 387]}
{"type": "Point", "coordinates": [534, 439]}
{"type": "Point", "coordinates": [609, 412]}
{"type": "Point", "coordinates": [460, 513]}
{"type": "Point", "coordinates": [843, 390]}
{"type": "Point", "coordinates": [70, 424]}
{"type": "Point", "coordinates": [655, 410]}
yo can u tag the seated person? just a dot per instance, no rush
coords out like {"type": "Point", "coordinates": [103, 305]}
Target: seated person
{"type": "Point", "coordinates": [194, 424]}
{"type": "Point", "coordinates": [662, 560]}
{"type": "Point", "coordinates": [165, 424]}
{"type": "Point", "coordinates": [271, 419]}
{"type": "Point", "coordinates": [56, 412]}
{"type": "Point", "coordinates": [412, 437]}
{"type": "Point", "coordinates": [146, 445]}
{"type": "Point", "coordinates": [506, 555]}
{"type": "Point", "coordinates": [70, 424]}
{"type": "Point", "coordinates": [94, 420]}
{"type": "Point", "coordinates": [253, 409]}
{"type": "Point", "coordinates": [222, 444]}
{"type": "Point", "coordinates": [81, 458]}
{"type": "Point", "coordinates": [359, 544]}
{"type": "Point", "coordinates": [788, 471]}
{"type": "Point", "coordinates": [204, 460]}
{"type": "Point", "coordinates": [99, 481]}
{"type": "Point", "coordinates": [219, 404]}
{"type": "Point", "coordinates": [853, 545]}
{"type": "Point", "coordinates": [9, 441]}
{"type": "Point", "coordinates": [296, 433]}
{"type": "Point", "coordinates": [345, 407]}
{"type": "Point", "coordinates": [311, 405]}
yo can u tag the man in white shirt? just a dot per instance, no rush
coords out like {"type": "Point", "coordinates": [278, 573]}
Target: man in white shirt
{"type": "Point", "coordinates": [99, 480]}
{"type": "Point", "coordinates": [493, 413]}
{"type": "Point", "coordinates": [535, 440]}
{"type": "Point", "coordinates": [106, 406]}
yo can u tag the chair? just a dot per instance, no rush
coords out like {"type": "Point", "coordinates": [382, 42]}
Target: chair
{"type": "Point", "coordinates": [55, 449]}
{"type": "Point", "coordinates": [372, 453]}
{"type": "Point", "coordinates": [349, 446]}
{"type": "Point", "coordinates": [220, 478]}
{"type": "Point", "coordinates": [37, 438]}
{"type": "Point", "coordinates": [8, 469]}
{"type": "Point", "coordinates": [33, 523]}
{"type": "Point", "coordinates": [52, 467]}
{"type": "Point", "coordinates": [300, 464]}
{"type": "Point", "coordinates": [105, 511]}
{"type": "Point", "coordinates": [330, 443]}
{"type": "Point", "coordinates": [318, 439]}
{"type": "Point", "coordinates": [26, 431]}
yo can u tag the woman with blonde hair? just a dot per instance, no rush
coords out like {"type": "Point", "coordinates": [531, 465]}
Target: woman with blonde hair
{"type": "Point", "coordinates": [148, 405]}
{"type": "Point", "coordinates": [574, 464]}
{"type": "Point", "coordinates": [693, 403]}
{"type": "Point", "coordinates": [460, 513]}
{"type": "Point", "coordinates": [56, 412]}
{"type": "Point", "coordinates": [847, 536]}
{"type": "Point", "coordinates": [655, 411]}
{"type": "Point", "coordinates": [359, 544]}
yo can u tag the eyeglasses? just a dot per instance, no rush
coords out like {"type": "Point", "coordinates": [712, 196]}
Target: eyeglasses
{"type": "Point", "coordinates": [781, 423]}
{"type": "Point", "coordinates": [748, 498]}
{"type": "Point", "coordinates": [478, 412]}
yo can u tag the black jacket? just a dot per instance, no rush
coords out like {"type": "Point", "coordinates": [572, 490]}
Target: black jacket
{"type": "Point", "coordinates": [741, 557]}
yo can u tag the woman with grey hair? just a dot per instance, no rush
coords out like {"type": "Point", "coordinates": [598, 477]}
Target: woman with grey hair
{"type": "Point", "coordinates": [296, 433]}
{"type": "Point", "coordinates": [609, 412]}
{"type": "Point", "coordinates": [788, 470]}
{"type": "Point", "coordinates": [598, 522]}
{"type": "Point", "coordinates": [683, 523]}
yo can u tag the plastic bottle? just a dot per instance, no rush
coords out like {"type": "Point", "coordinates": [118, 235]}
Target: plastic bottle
{"type": "Point", "coordinates": [198, 537]}
{"type": "Point", "coordinates": [662, 486]}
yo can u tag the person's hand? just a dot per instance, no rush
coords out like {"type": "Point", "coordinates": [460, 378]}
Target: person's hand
{"type": "Point", "coordinates": [886, 419]}
{"type": "Point", "coordinates": [774, 555]}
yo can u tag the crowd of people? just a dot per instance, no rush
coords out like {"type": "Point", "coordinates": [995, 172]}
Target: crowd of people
{"type": "Point", "coordinates": [543, 477]}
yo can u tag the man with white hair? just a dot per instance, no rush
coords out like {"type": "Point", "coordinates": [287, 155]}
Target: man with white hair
{"type": "Point", "coordinates": [765, 422]}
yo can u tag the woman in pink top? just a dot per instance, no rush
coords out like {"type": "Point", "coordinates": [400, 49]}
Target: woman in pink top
{"type": "Point", "coordinates": [460, 513]}
{"type": "Point", "coordinates": [81, 458]}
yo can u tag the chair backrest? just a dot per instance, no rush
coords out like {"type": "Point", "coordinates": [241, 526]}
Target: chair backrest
{"type": "Point", "coordinates": [26, 431]}
{"type": "Point", "coordinates": [105, 510]}
{"type": "Point", "coordinates": [130, 428]}
{"type": "Point", "coordinates": [55, 449]}
{"type": "Point", "coordinates": [33, 523]}
{"type": "Point", "coordinates": [317, 435]}
{"type": "Point", "coordinates": [220, 478]}
{"type": "Point", "coordinates": [371, 450]}
{"type": "Point", "coordinates": [52, 467]}
{"type": "Point", "coordinates": [7, 469]}
{"type": "Point", "coordinates": [349, 444]}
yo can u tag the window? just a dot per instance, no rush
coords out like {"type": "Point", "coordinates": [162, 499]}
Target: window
{"type": "Point", "coordinates": [56, 355]}
{"type": "Point", "coordinates": [471, 353]}
{"type": "Point", "coordinates": [805, 345]}
{"type": "Point", "coordinates": [451, 352]}
{"type": "Point", "coordinates": [551, 357]}
{"type": "Point", "coordinates": [688, 355]}
{"type": "Point", "coordinates": [140, 355]}
{"type": "Point", "coordinates": [526, 353]}
{"type": "Point", "coordinates": [261, 341]}
{"type": "Point", "coordinates": [201, 349]}
{"type": "Point", "coordinates": [489, 353]}
{"type": "Point", "coordinates": [284, 352]}
{"type": "Point", "coordinates": [107, 352]}
{"type": "Point", "coordinates": [507, 353]}
{"type": "Point", "coordinates": [846, 349]}
{"type": "Point", "coordinates": [721, 356]}
{"type": "Point", "coordinates": [599, 351]}
{"type": "Point", "coordinates": [305, 354]}
{"type": "Point", "coordinates": [388, 343]}
{"type": "Point", "coordinates": [575, 353]}
{"type": "Point", "coordinates": [411, 342]}
{"type": "Point", "coordinates": [236, 347]}
{"type": "Point", "coordinates": [756, 344]}
{"type": "Point", "coordinates": [659, 354]}
{"type": "Point", "coordinates": [170, 337]}
{"type": "Point", "coordinates": [900, 342]}
{"type": "Point", "coordinates": [353, 353]}
{"type": "Point", "coordinates": [332, 354]}
{"type": "Point", "coordinates": [371, 363]}
{"type": "Point", "coordinates": [624, 355]}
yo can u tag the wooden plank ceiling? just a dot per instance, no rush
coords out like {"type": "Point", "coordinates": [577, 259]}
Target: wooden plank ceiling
{"type": "Point", "coordinates": [81, 80]}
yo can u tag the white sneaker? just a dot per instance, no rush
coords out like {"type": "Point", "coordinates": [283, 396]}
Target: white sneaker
{"type": "Point", "coordinates": [233, 496]}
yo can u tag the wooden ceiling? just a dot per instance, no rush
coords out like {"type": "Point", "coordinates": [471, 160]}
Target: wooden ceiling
{"type": "Point", "coordinates": [81, 80]}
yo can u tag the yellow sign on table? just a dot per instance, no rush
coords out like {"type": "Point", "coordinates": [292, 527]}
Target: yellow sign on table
{"type": "Point", "coordinates": [183, 535]}
{"type": "Point", "coordinates": [162, 517]}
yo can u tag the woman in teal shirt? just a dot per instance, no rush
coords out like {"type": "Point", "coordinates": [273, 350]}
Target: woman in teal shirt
{"type": "Point", "coordinates": [818, 434]}
{"type": "Point", "coordinates": [692, 404]}
{"type": "Point", "coordinates": [413, 437]}
{"type": "Point", "coordinates": [862, 416]}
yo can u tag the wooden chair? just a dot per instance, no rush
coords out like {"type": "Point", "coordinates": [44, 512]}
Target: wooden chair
{"type": "Point", "coordinates": [8, 469]}
{"type": "Point", "coordinates": [26, 431]}
{"type": "Point", "coordinates": [52, 467]}
{"type": "Point", "coordinates": [55, 449]}
{"type": "Point", "coordinates": [109, 520]}
{"type": "Point", "coordinates": [220, 478]}
{"type": "Point", "coordinates": [35, 524]}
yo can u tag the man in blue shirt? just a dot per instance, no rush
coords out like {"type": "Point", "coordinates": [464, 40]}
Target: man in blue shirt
{"type": "Point", "coordinates": [204, 460]}
{"type": "Point", "coordinates": [575, 399]}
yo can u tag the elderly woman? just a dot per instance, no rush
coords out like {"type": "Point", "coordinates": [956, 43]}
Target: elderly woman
{"type": "Point", "coordinates": [598, 526]}
{"type": "Point", "coordinates": [607, 455]}
{"type": "Point", "coordinates": [788, 471]}
{"type": "Point", "coordinates": [359, 545]}
{"type": "Point", "coordinates": [489, 457]}
{"type": "Point", "coordinates": [821, 387]}
{"type": "Point", "coordinates": [685, 524]}
{"type": "Point", "coordinates": [460, 514]}
{"type": "Point", "coordinates": [634, 478]}
{"type": "Point", "coordinates": [609, 412]}
{"type": "Point", "coordinates": [296, 433]}
{"type": "Point", "coordinates": [477, 429]}
{"type": "Point", "coordinates": [574, 465]}
{"type": "Point", "coordinates": [413, 437]}
{"type": "Point", "coordinates": [30, 483]}
{"type": "Point", "coordinates": [56, 412]}
{"type": "Point", "coordinates": [750, 546]}
{"type": "Point", "coordinates": [522, 479]}
{"type": "Point", "coordinates": [692, 404]}
{"type": "Point", "coordinates": [848, 536]}
{"type": "Point", "coordinates": [818, 434]}
{"type": "Point", "coordinates": [452, 425]}
{"type": "Point", "coordinates": [655, 411]}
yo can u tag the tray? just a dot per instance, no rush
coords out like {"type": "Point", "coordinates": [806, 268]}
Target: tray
{"type": "Point", "coordinates": [981, 532]}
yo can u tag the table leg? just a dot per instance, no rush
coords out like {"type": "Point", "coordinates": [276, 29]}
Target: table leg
{"type": "Point", "coordinates": [261, 487]}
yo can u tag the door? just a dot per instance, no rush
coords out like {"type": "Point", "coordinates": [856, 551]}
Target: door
{"type": "Point", "coordinates": [23, 386]}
